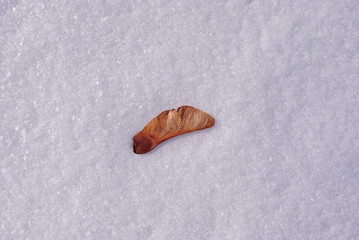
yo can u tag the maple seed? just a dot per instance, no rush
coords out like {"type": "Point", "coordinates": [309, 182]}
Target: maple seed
{"type": "Point", "coordinates": [169, 124]}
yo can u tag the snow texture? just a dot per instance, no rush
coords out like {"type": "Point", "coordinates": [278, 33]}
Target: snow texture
{"type": "Point", "coordinates": [80, 78]}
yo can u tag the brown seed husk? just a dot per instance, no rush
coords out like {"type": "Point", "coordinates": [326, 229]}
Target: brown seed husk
{"type": "Point", "coordinates": [169, 124]}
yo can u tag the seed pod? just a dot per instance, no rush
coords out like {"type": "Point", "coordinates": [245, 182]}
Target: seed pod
{"type": "Point", "coordinates": [169, 124]}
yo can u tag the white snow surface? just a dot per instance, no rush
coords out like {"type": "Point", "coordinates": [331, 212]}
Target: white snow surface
{"type": "Point", "coordinates": [78, 79]}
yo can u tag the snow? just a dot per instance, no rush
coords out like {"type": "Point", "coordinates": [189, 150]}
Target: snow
{"type": "Point", "coordinates": [78, 79]}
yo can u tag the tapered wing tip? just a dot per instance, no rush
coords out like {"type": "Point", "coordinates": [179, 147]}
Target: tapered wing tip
{"type": "Point", "coordinates": [212, 121]}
